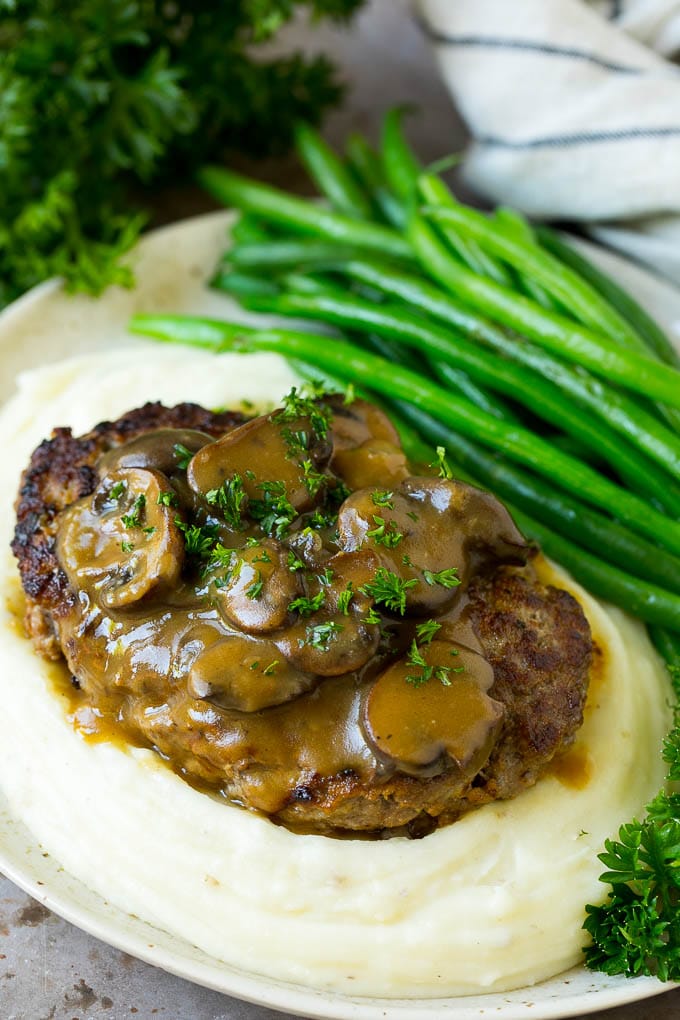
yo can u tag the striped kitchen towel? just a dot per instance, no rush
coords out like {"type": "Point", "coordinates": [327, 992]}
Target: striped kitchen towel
{"type": "Point", "coordinates": [574, 109]}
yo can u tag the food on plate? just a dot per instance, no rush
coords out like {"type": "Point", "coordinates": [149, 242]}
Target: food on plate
{"type": "Point", "coordinates": [497, 342]}
{"type": "Point", "coordinates": [293, 616]}
{"type": "Point", "coordinates": [346, 915]}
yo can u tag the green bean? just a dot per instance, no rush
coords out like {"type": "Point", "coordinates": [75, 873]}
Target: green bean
{"type": "Point", "coordinates": [515, 225]}
{"type": "Point", "coordinates": [401, 166]}
{"type": "Point", "coordinates": [289, 252]}
{"type": "Point", "coordinates": [603, 357]}
{"type": "Point", "coordinates": [471, 253]}
{"type": "Point", "coordinates": [330, 175]}
{"type": "Point", "coordinates": [654, 337]}
{"type": "Point", "coordinates": [403, 172]}
{"type": "Point", "coordinates": [243, 285]}
{"type": "Point", "coordinates": [459, 381]}
{"type": "Point", "coordinates": [568, 516]}
{"type": "Point", "coordinates": [248, 229]}
{"type": "Point", "coordinates": [278, 207]}
{"type": "Point", "coordinates": [667, 644]}
{"type": "Point", "coordinates": [617, 409]}
{"type": "Point", "coordinates": [349, 362]}
{"type": "Point", "coordinates": [542, 396]}
{"type": "Point", "coordinates": [646, 601]}
{"type": "Point", "coordinates": [584, 303]}
{"type": "Point", "coordinates": [368, 168]}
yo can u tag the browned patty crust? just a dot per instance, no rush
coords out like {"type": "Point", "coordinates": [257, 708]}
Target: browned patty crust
{"type": "Point", "coordinates": [535, 637]}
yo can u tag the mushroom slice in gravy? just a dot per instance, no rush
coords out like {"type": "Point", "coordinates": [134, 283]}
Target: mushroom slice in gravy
{"type": "Point", "coordinates": [122, 542]}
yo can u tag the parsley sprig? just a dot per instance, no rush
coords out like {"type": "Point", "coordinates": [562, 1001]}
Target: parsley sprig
{"type": "Point", "coordinates": [637, 930]}
{"type": "Point", "coordinates": [120, 95]}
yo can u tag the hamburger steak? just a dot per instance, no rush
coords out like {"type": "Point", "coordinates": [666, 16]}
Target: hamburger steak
{"type": "Point", "coordinates": [291, 618]}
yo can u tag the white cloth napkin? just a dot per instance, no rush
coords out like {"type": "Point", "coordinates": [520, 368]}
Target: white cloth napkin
{"type": "Point", "coordinates": [574, 109]}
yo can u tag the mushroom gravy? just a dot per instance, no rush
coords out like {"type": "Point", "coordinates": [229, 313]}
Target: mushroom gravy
{"type": "Point", "coordinates": [285, 603]}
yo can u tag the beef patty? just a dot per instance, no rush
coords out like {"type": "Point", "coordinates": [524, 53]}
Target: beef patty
{"type": "Point", "coordinates": [535, 638]}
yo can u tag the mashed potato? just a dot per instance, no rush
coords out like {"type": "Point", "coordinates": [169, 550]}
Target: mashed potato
{"type": "Point", "coordinates": [490, 903]}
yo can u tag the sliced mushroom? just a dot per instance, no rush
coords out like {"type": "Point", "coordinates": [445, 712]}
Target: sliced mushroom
{"type": "Point", "coordinates": [336, 638]}
{"type": "Point", "coordinates": [263, 451]}
{"type": "Point", "coordinates": [246, 674]}
{"type": "Point", "coordinates": [358, 422]}
{"type": "Point", "coordinates": [122, 542]}
{"type": "Point", "coordinates": [428, 719]}
{"type": "Point", "coordinates": [258, 588]}
{"type": "Point", "coordinates": [432, 530]}
{"type": "Point", "coordinates": [376, 462]}
{"type": "Point", "coordinates": [160, 450]}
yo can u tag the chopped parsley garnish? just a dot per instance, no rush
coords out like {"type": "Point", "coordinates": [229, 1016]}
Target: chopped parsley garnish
{"type": "Point", "coordinates": [323, 519]}
{"type": "Point", "coordinates": [326, 577]}
{"type": "Point", "coordinates": [425, 671]}
{"type": "Point", "coordinates": [297, 405]}
{"type": "Point", "coordinates": [200, 541]}
{"type": "Point", "coordinates": [271, 668]}
{"type": "Point", "coordinates": [384, 533]}
{"type": "Point", "coordinates": [183, 456]}
{"type": "Point", "coordinates": [255, 589]}
{"type": "Point", "coordinates": [229, 499]}
{"type": "Point", "coordinates": [294, 562]}
{"type": "Point", "coordinates": [321, 635]}
{"type": "Point", "coordinates": [150, 530]}
{"type": "Point", "coordinates": [389, 590]}
{"type": "Point", "coordinates": [372, 617]}
{"type": "Point", "coordinates": [426, 631]}
{"type": "Point", "coordinates": [314, 480]}
{"type": "Point", "coordinates": [344, 599]}
{"type": "Point", "coordinates": [264, 557]}
{"type": "Point", "coordinates": [306, 606]}
{"type": "Point", "coordinates": [127, 547]}
{"type": "Point", "coordinates": [167, 499]}
{"type": "Point", "coordinates": [117, 490]}
{"type": "Point", "coordinates": [134, 518]}
{"type": "Point", "coordinates": [220, 557]}
{"type": "Point", "coordinates": [441, 463]}
{"type": "Point", "coordinates": [274, 512]}
{"type": "Point", "coordinates": [338, 493]}
{"type": "Point", "coordinates": [446, 578]}
{"type": "Point", "coordinates": [383, 498]}
{"type": "Point", "coordinates": [297, 442]}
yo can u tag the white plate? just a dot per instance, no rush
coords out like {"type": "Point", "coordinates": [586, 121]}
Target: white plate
{"type": "Point", "coordinates": [172, 265]}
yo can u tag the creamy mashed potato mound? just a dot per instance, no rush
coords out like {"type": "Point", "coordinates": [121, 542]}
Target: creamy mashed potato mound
{"type": "Point", "coordinates": [490, 903]}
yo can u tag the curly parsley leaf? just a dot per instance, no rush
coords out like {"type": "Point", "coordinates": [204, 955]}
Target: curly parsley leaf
{"type": "Point", "coordinates": [100, 106]}
{"type": "Point", "coordinates": [637, 930]}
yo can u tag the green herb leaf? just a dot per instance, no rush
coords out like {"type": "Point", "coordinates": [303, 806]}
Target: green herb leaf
{"type": "Point", "coordinates": [445, 578]}
{"type": "Point", "coordinates": [230, 499]}
{"type": "Point", "coordinates": [389, 590]}
{"type": "Point", "coordinates": [183, 456]}
{"type": "Point", "coordinates": [134, 518]}
{"type": "Point", "coordinates": [322, 634]}
{"type": "Point", "coordinates": [306, 606]}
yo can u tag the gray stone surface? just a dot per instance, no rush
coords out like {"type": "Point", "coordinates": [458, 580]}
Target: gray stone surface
{"type": "Point", "coordinates": [50, 970]}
